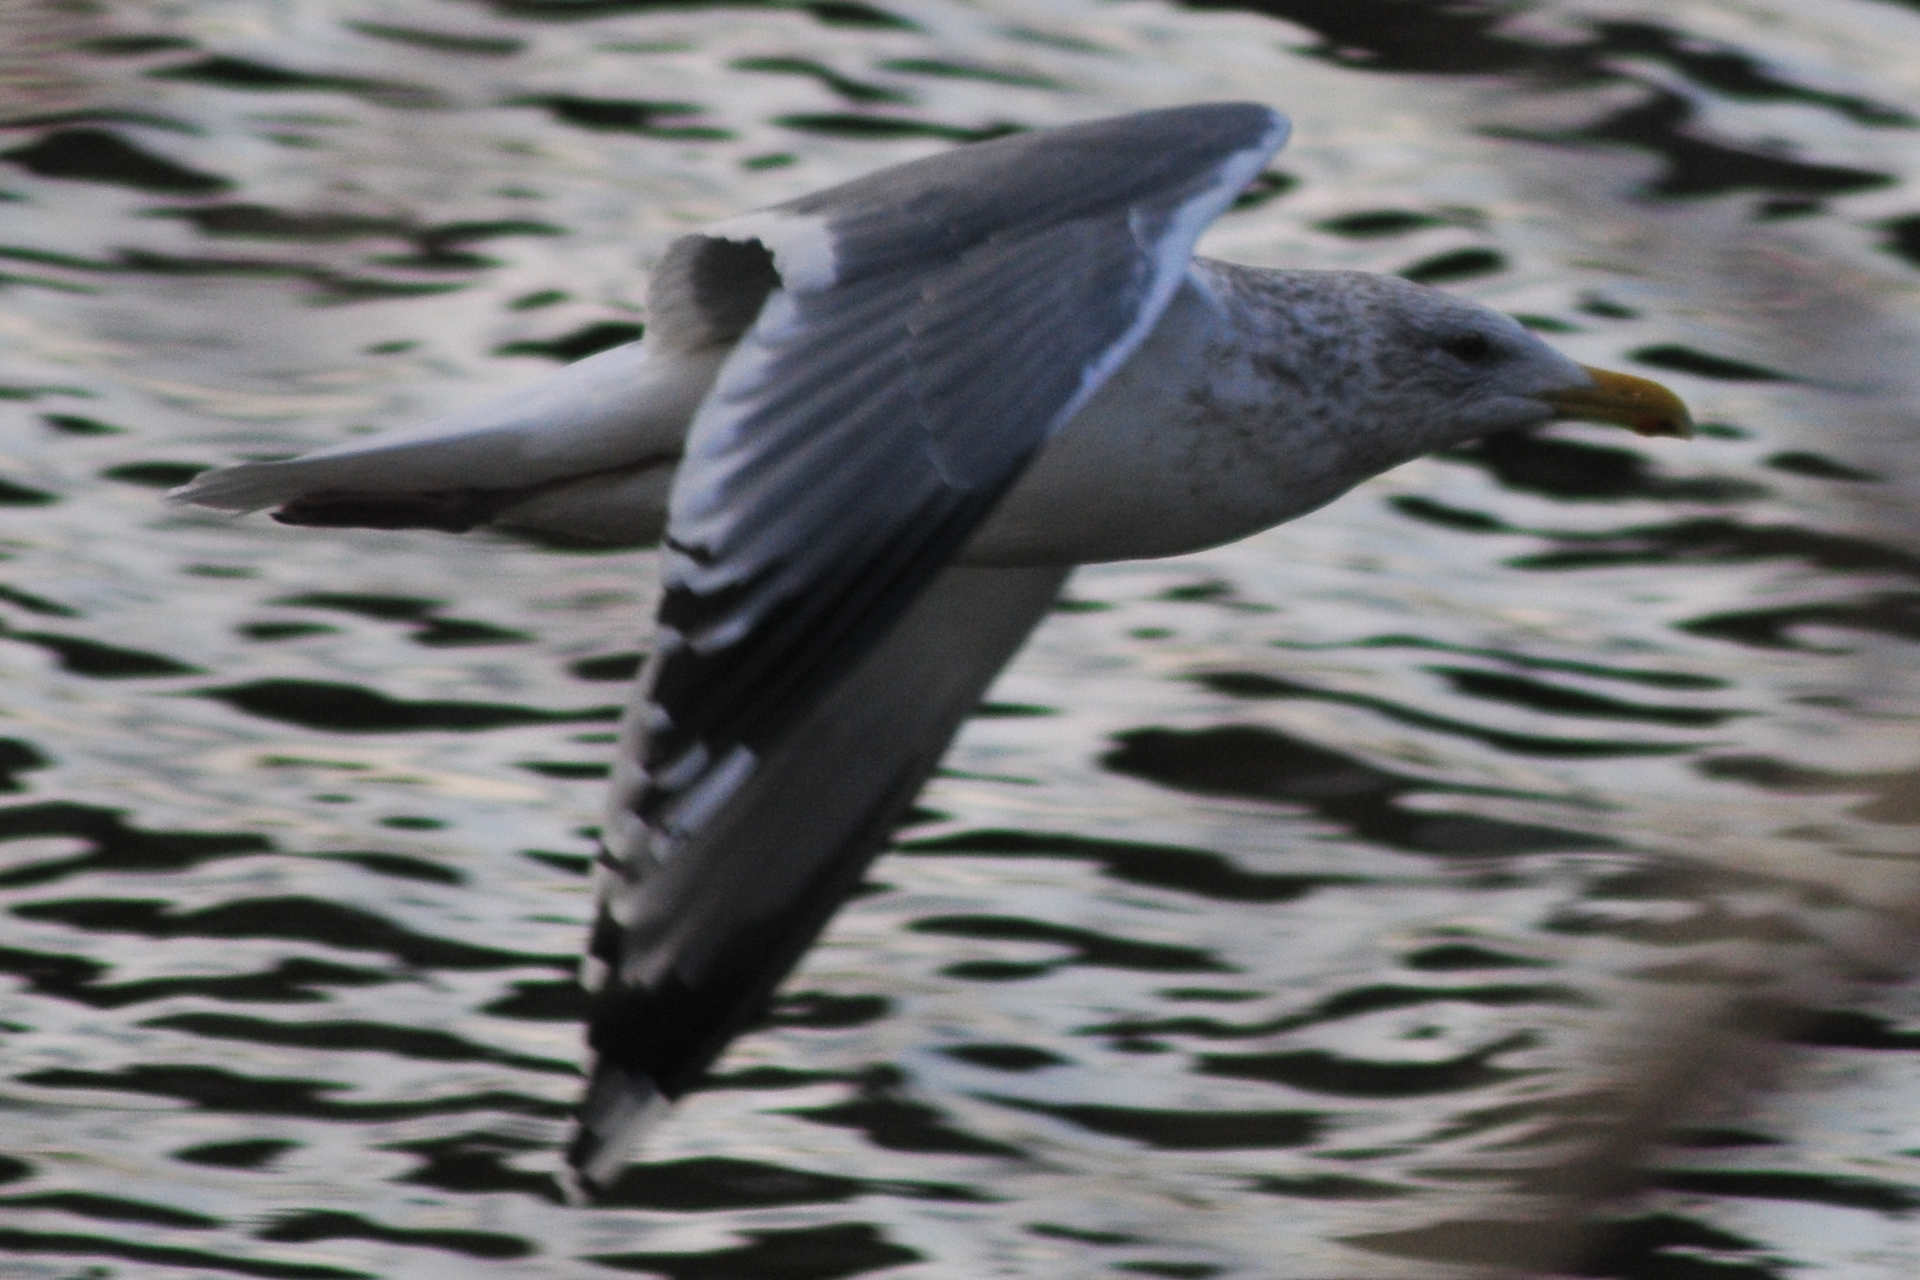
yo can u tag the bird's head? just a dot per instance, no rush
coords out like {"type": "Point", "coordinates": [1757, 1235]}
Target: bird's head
{"type": "Point", "coordinates": [1485, 372]}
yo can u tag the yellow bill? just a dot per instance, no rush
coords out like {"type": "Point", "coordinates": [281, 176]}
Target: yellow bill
{"type": "Point", "coordinates": [1640, 404]}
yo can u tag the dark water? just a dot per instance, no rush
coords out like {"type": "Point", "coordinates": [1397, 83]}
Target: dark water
{"type": "Point", "coordinates": [1357, 901]}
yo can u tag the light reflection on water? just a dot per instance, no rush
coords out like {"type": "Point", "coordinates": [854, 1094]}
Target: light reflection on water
{"type": "Point", "coordinates": [1396, 871]}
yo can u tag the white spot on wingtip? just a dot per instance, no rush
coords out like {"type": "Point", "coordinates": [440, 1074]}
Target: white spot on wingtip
{"type": "Point", "coordinates": [594, 973]}
{"type": "Point", "coordinates": [692, 811]}
{"type": "Point", "coordinates": [620, 1108]}
{"type": "Point", "coordinates": [683, 768]}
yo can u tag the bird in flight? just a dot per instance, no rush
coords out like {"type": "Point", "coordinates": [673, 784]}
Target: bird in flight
{"type": "Point", "coordinates": [872, 430]}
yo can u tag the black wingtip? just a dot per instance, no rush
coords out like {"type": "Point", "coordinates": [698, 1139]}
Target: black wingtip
{"type": "Point", "coordinates": [618, 1110]}
{"type": "Point", "coordinates": [448, 510]}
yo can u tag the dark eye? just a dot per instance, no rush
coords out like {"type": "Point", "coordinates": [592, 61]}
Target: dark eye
{"type": "Point", "coordinates": [1469, 348]}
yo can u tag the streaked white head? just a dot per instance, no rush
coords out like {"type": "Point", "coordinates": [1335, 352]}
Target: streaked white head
{"type": "Point", "coordinates": [1409, 368]}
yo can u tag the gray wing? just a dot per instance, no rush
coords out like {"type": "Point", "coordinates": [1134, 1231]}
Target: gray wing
{"type": "Point", "coordinates": [935, 323]}
{"type": "Point", "coordinates": [932, 326]}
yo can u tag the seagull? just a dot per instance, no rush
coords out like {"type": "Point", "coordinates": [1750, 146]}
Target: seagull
{"type": "Point", "coordinates": [872, 430]}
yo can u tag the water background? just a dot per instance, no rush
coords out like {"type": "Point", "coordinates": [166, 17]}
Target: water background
{"type": "Point", "coordinates": [1351, 902]}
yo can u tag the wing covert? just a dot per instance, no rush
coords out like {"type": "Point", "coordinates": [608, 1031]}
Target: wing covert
{"type": "Point", "coordinates": [936, 323]}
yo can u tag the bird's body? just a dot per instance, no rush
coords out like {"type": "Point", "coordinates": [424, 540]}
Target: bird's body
{"type": "Point", "coordinates": [1223, 423]}
{"type": "Point", "coordinates": [873, 429]}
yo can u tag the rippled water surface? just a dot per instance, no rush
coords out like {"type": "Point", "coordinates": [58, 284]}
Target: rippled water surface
{"type": "Point", "coordinates": [1417, 885]}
